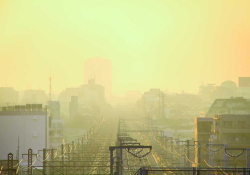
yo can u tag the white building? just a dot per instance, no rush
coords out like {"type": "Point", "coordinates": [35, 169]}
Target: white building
{"type": "Point", "coordinates": [29, 127]}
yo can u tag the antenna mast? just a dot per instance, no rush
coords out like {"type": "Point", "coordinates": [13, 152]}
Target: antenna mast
{"type": "Point", "coordinates": [50, 88]}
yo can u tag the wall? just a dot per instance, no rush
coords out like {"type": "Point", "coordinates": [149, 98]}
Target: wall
{"type": "Point", "coordinates": [31, 128]}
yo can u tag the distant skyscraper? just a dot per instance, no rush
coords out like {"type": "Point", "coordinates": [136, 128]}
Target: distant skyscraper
{"type": "Point", "coordinates": [101, 71]}
{"type": "Point", "coordinates": [73, 107]}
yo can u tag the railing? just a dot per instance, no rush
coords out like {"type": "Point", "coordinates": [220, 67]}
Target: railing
{"type": "Point", "coordinates": [192, 170]}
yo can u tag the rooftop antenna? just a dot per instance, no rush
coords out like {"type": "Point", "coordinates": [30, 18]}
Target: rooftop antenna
{"type": "Point", "coordinates": [50, 88]}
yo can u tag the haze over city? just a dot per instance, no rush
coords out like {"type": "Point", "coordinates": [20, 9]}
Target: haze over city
{"type": "Point", "coordinates": [124, 87]}
{"type": "Point", "coordinates": [175, 45]}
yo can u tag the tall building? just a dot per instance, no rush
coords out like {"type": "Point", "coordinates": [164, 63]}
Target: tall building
{"type": "Point", "coordinates": [73, 107]}
{"type": "Point", "coordinates": [101, 71]}
{"type": "Point", "coordinates": [54, 109]}
{"type": "Point", "coordinates": [56, 129]}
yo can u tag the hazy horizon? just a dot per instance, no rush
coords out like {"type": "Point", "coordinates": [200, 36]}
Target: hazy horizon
{"type": "Point", "coordinates": [171, 45]}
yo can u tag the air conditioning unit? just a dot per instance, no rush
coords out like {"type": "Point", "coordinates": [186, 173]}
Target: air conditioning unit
{"type": "Point", "coordinates": [34, 117]}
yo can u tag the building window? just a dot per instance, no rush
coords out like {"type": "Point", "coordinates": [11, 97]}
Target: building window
{"type": "Point", "coordinates": [244, 139]}
{"type": "Point", "coordinates": [34, 134]}
{"type": "Point", "coordinates": [59, 125]}
{"type": "Point", "coordinates": [228, 124]}
{"type": "Point", "coordinates": [241, 124]}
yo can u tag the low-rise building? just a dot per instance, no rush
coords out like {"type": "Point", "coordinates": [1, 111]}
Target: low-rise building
{"type": "Point", "coordinates": [233, 130]}
{"type": "Point", "coordinates": [203, 128]}
{"type": "Point", "coordinates": [222, 131]}
{"type": "Point", "coordinates": [237, 105]}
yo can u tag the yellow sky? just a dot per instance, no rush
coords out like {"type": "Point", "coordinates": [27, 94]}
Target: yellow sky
{"type": "Point", "coordinates": [172, 45]}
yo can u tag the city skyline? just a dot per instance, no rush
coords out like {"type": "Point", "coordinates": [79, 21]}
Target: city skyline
{"type": "Point", "coordinates": [173, 45]}
{"type": "Point", "coordinates": [124, 87]}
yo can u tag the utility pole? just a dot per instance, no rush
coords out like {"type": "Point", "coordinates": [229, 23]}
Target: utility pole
{"type": "Point", "coordinates": [159, 103]}
{"type": "Point", "coordinates": [163, 109]}
{"type": "Point", "coordinates": [50, 88]}
{"type": "Point", "coordinates": [18, 148]}
{"type": "Point", "coordinates": [62, 153]}
{"type": "Point", "coordinates": [30, 153]}
{"type": "Point", "coordinates": [10, 164]}
{"type": "Point", "coordinates": [44, 161]}
{"type": "Point", "coordinates": [188, 164]}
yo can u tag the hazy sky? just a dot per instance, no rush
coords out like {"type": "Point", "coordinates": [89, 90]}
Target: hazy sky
{"type": "Point", "coordinates": [169, 44]}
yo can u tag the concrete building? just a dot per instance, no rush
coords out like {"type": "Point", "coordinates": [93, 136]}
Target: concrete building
{"type": "Point", "coordinates": [101, 71]}
{"type": "Point", "coordinates": [56, 129]}
{"type": "Point", "coordinates": [210, 92]}
{"type": "Point", "coordinates": [151, 103]}
{"type": "Point", "coordinates": [223, 131]}
{"type": "Point", "coordinates": [73, 107]}
{"type": "Point", "coordinates": [203, 128]}
{"type": "Point", "coordinates": [233, 130]}
{"type": "Point", "coordinates": [54, 109]}
{"type": "Point", "coordinates": [91, 97]}
{"type": "Point", "coordinates": [8, 96]}
{"type": "Point", "coordinates": [28, 124]}
{"type": "Point", "coordinates": [237, 105]}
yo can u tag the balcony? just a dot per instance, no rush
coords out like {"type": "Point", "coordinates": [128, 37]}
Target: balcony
{"type": "Point", "coordinates": [238, 143]}
{"type": "Point", "coordinates": [235, 130]}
